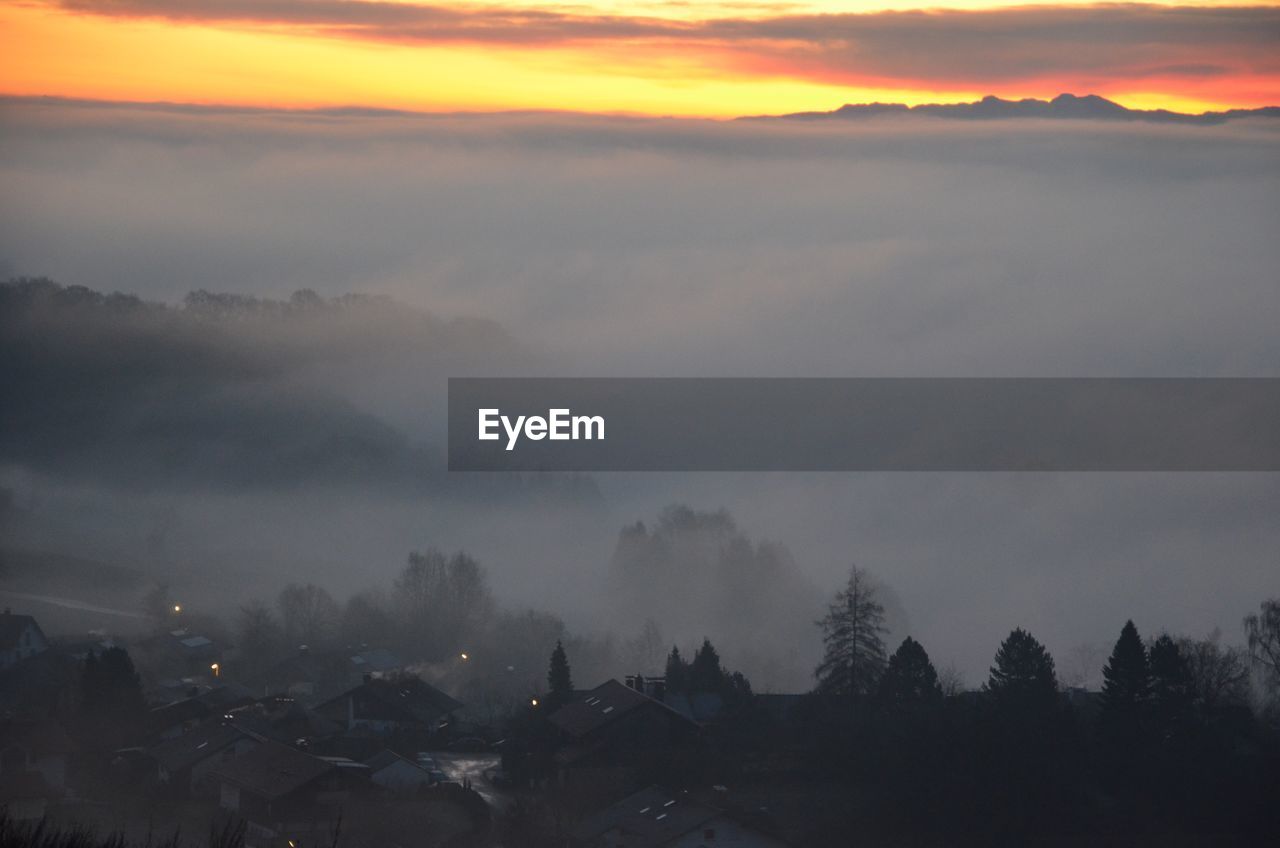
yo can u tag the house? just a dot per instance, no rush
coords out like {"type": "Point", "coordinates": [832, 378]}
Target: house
{"type": "Point", "coordinates": [20, 638]}
{"type": "Point", "coordinates": [178, 653]}
{"type": "Point", "coordinates": [171, 720]}
{"type": "Point", "coordinates": [283, 794]}
{"type": "Point", "coordinates": [389, 769]}
{"type": "Point", "coordinates": [657, 818]}
{"type": "Point", "coordinates": [33, 766]}
{"type": "Point", "coordinates": [380, 706]}
{"type": "Point", "coordinates": [614, 736]}
{"type": "Point", "coordinates": [185, 763]}
{"type": "Point", "coordinates": [289, 720]}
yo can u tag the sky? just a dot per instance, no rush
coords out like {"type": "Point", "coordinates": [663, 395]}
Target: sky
{"type": "Point", "coordinates": [602, 245]}
{"type": "Point", "coordinates": [649, 58]}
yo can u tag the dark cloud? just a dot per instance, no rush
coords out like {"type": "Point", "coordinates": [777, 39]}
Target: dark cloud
{"type": "Point", "coordinates": [943, 48]}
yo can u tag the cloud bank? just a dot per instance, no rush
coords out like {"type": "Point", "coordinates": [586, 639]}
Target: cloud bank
{"type": "Point", "coordinates": [656, 248]}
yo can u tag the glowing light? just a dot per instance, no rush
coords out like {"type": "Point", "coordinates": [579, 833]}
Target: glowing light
{"type": "Point", "coordinates": [177, 608]}
{"type": "Point", "coordinates": [534, 702]}
{"type": "Point", "coordinates": [464, 657]}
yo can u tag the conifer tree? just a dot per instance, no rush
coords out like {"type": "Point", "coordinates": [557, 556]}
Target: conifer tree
{"type": "Point", "coordinates": [910, 681]}
{"type": "Point", "coordinates": [677, 673]}
{"type": "Point", "coordinates": [853, 638]}
{"type": "Point", "coordinates": [559, 679]}
{"type": "Point", "coordinates": [705, 673]}
{"type": "Point", "coordinates": [1023, 675]}
{"type": "Point", "coordinates": [1126, 677]}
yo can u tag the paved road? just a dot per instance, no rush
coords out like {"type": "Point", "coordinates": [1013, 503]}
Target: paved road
{"type": "Point", "coordinates": [462, 767]}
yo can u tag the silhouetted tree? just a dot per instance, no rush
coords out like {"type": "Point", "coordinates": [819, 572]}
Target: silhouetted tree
{"type": "Point", "coordinates": [1123, 717]}
{"type": "Point", "coordinates": [559, 680]}
{"type": "Point", "coordinates": [910, 680]}
{"type": "Point", "coordinates": [677, 672]}
{"type": "Point", "coordinates": [1029, 750]}
{"type": "Point", "coordinates": [444, 602]}
{"type": "Point", "coordinates": [259, 640]}
{"type": "Point", "coordinates": [705, 673]}
{"type": "Point", "coordinates": [1262, 630]}
{"type": "Point", "coordinates": [1219, 675]}
{"type": "Point", "coordinates": [853, 638]}
{"type": "Point", "coordinates": [1023, 674]}
{"type": "Point", "coordinates": [308, 614]}
{"type": "Point", "coordinates": [111, 703]}
{"type": "Point", "coordinates": [1126, 677]}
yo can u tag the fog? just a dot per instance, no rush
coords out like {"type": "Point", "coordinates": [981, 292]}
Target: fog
{"type": "Point", "coordinates": [566, 245]}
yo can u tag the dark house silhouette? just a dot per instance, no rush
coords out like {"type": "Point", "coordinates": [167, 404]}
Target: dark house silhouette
{"type": "Point", "coordinates": [615, 736]}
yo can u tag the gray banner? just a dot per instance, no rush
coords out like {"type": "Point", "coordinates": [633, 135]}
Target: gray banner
{"type": "Point", "coordinates": [676, 424]}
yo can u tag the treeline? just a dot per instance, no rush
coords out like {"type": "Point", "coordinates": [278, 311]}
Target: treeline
{"type": "Point", "coordinates": [439, 614]}
{"type": "Point", "coordinates": [1183, 738]}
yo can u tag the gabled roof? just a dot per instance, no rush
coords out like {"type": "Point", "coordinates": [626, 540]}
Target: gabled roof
{"type": "Point", "coordinates": [603, 705]}
{"type": "Point", "coordinates": [651, 817]}
{"type": "Point", "coordinates": [409, 699]}
{"type": "Point", "coordinates": [273, 770]}
{"type": "Point", "coordinates": [196, 745]}
{"type": "Point", "coordinates": [12, 627]}
{"type": "Point", "coordinates": [386, 757]}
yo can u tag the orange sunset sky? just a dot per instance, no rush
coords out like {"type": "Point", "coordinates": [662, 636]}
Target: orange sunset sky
{"type": "Point", "coordinates": [663, 57]}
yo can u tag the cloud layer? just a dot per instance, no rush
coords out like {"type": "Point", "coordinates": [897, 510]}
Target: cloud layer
{"type": "Point", "coordinates": [1104, 47]}
{"type": "Point", "coordinates": [652, 248]}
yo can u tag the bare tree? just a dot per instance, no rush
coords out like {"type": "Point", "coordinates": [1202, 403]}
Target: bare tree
{"type": "Point", "coordinates": [444, 601]}
{"type": "Point", "coordinates": [1219, 676]}
{"type": "Point", "coordinates": [259, 640]}
{"type": "Point", "coordinates": [853, 635]}
{"type": "Point", "coordinates": [1262, 630]}
{"type": "Point", "coordinates": [308, 613]}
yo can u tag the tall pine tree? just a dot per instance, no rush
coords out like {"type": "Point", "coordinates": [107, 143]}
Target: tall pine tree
{"type": "Point", "coordinates": [853, 639]}
{"type": "Point", "coordinates": [558, 677]}
{"type": "Point", "coordinates": [1126, 686]}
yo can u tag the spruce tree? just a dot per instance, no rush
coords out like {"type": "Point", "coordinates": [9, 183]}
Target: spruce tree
{"type": "Point", "coordinates": [558, 677]}
{"type": "Point", "coordinates": [677, 673]}
{"type": "Point", "coordinates": [1126, 687]}
{"type": "Point", "coordinates": [910, 681]}
{"type": "Point", "coordinates": [1023, 676]}
{"type": "Point", "coordinates": [705, 673]}
{"type": "Point", "coordinates": [1122, 721]}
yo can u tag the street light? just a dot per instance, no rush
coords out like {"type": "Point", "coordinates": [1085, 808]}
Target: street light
{"type": "Point", "coordinates": [177, 608]}
{"type": "Point", "coordinates": [464, 657]}
{"type": "Point", "coordinates": [533, 702]}
{"type": "Point", "coordinates": [216, 669]}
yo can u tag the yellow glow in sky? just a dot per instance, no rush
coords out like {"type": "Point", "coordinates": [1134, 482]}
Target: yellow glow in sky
{"type": "Point", "coordinates": [53, 52]}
